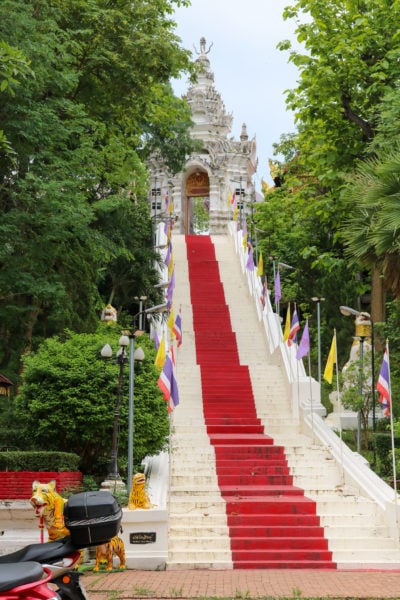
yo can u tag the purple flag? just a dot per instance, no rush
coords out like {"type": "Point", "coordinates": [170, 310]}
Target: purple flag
{"type": "Point", "coordinates": [156, 341]}
{"type": "Point", "coordinates": [170, 289]}
{"type": "Point", "coordinates": [277, 287]}
{"type": "Point", "coordinates": [304, 346]}
{"type": "Point", "coordinates": [250, 260]}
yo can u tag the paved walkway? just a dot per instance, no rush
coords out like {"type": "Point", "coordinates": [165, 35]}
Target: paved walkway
{"type": "Point", "coordinates": [242, 584]}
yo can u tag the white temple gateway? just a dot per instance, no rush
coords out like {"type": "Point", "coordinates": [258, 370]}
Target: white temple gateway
{"type": "Point", "coordinates": [201, 192]}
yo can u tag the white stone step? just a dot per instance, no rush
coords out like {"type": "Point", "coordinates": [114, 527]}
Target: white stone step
{"type": "Point", "coordinates": [331, 505]}
{"type": "Point", "coordinates": [194, 480]}
{"type": "Point", "coordinates": [371, 558]}
{"type": "Point", "coordinates": [358, 543]}
{"type": "Point", "coordinates": [349, 531]}
{"type": "Point", "coordinates": [200, 504]}
{"type": "Point", "coordinates": [198, 532]}
{"type": "Point", "coordinates": [201, 521]}
{"type": "Point", "coordinates": [195, 490]}
{"type": "Point", "coordinates": [333, 523]}
{"type": "Point", "coordinates": [206, 558]}
{"type": "Point", "coordinates": [202, 543]}
{"type": "Point", "coordinates": [196, 563]}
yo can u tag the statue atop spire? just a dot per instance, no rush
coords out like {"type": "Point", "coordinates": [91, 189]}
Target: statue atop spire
{"type": "Point", "coordinates": [203, 47]}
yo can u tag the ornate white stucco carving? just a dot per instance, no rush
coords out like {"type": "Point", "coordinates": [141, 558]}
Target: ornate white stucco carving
{"type": "Point", "coordinates": [225, 160]}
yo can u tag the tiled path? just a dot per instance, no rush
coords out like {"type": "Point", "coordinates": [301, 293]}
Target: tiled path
{"type": "Point", "coordinates": [243, 584]}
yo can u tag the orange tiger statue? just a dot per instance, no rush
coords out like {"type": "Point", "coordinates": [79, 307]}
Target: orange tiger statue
{"type": "Point", "coordinates": [138, 497]}
{"type": "Point", "coordinates": [106, 552]}
{"type": "Point", "coordinates": [49, 505]}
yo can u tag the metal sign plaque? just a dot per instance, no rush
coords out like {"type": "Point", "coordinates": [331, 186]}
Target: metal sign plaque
{"type": "Point", "coordinates": [143, 537]}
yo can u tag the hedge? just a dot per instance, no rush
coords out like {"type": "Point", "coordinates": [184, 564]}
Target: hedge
{"type": "Point", "coordinates": [18, 460]}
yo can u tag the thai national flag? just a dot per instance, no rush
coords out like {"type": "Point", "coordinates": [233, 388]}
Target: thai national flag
{"type": "Point", "coordinates": [294, 327]}
{"type": "Point", "coordinates": [177, 329]}
{"type": "Point", "coordinates": [383, 385]}
{"type": "Point", "coordinates": [168, 384]}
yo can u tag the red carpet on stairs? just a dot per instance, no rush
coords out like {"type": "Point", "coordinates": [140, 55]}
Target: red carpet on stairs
{"type": "Point", "coordinates": [271, 523]}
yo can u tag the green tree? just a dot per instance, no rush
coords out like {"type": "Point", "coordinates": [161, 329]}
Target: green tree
{"type": "Point", "coordinates": [357, 390]}
{"type": "Point", "coordinates": [293, 228]}
{"type": "Point", "coordinates": [348, 68]}
{"type": "Point", "coordinates": [66, 401]}
{"type": "Point", "coordinates": [370, 232]}
{"type": "Point", "coordinates": [349, 63]}
{"type": "Point", "coordinates": [74, 220]}
{"type": "Point", "coordinates": [13, 68]}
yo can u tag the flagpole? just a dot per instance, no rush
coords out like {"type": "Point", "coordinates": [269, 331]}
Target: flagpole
{"type": "Point", "coordinates": [311, 397]}
{"type": "Point", "coordinates": [339, 406]}
{"type": "Point", "coordinates": [392, 436]}
{"type": "Point", "coordinates": [298, 388]}
{"type": "Point", "coordinates": [391, 427]}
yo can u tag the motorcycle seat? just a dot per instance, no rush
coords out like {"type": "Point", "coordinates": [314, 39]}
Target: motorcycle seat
{"type": "Point", "coordinates": [15, 574]}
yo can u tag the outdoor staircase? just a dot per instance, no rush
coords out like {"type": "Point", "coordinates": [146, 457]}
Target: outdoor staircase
{"type": "Point", "coordinates": [248, 489]}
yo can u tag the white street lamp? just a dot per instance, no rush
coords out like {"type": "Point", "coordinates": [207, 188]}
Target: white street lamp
{"type": "Point", "coordinates": [347, 311]}
{"type": "Point", "coordinates": [318, 300]}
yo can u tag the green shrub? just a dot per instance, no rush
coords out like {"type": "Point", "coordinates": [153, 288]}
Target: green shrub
{"type": "Point", "coordinates": [38, 461]}
{"type": "Point", "coordinates": [383, 449]}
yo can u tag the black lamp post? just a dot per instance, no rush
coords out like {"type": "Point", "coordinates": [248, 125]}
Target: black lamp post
{"type": "Point", "coordinates": [121, 359]}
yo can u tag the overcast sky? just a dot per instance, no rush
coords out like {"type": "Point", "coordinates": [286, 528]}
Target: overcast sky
{"type": "Point", "coordinates": [250, 73]}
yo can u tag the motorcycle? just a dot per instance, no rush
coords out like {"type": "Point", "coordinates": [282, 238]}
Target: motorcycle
{"type": "Point", "coordinates": [92, 518]}
{"type": "Point", "coordinates": [24, 569]}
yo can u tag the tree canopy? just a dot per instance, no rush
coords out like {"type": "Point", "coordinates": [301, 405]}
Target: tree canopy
{"type": "Point", "coordinates": [67, 400]}
{"type": "Point", "coordinates": [332, 214]}
{"type": "Point", "coordinates": [349, 64]}
{"type": "Point", "coordinates": [344, 105]}
{"type": "Point", "coordinates": [85, 99]}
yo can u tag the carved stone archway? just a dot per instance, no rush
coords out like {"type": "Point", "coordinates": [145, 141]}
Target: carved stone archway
{"type": "Point", "coordinates": [197, 187]}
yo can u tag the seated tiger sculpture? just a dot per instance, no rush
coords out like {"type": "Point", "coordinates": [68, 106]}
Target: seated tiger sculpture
{"type": "Point", "coordinates": [138, 497]}
{"type": "Point", "coordinates": [49, 505]}
{"type": "Point", "coordinates": [106, 552]}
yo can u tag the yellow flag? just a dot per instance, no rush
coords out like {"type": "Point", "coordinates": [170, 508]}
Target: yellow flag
{"type": "Point", "coordinates": [229, 199]}
{"type": "Point", "coordinates": [171, 265]}
{"type": "Point", "coordinates": [260, 266]}
{"type": "Point", "coordinates": [160, 356]}
{"type": "Point", "coordinates": [328, 373]}
{"type": "Point", "coordinates": [235, 213]}
{"type": "Point", "coordinates": [244, 241]}
{"type": "Point", "coordinates": [171, 321]}
{"type": "Point", "coordinates": [287, 324]}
